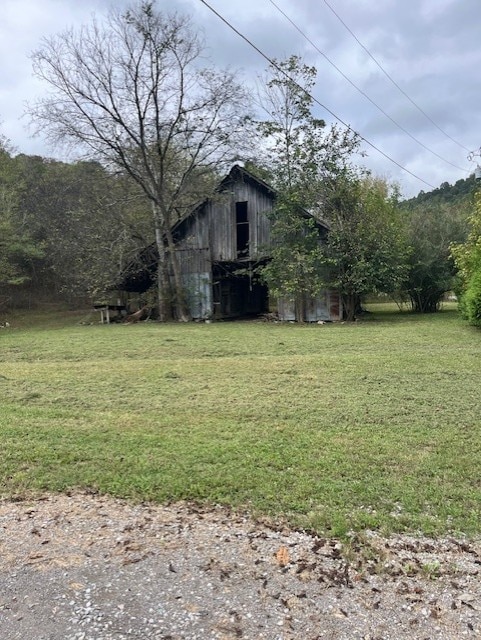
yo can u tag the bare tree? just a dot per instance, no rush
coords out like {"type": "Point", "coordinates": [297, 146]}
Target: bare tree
{"type": "Point", "coordinates": [131, 91]}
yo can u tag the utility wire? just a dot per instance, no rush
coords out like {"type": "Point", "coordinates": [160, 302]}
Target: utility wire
{"type": "Point", "coordinates": [335, 116]}
{"type": "Point", "coordinates": [426, 115]}
{"type": "Point", "coordinates": [403, 129]}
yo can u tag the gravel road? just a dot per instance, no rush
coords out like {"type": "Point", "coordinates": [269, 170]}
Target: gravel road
{"type": "Point", "coordinates": [86, 567]}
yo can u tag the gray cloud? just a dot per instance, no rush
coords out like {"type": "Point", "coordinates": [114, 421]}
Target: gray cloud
{"type": "Point", "coordinates": [431, 48]}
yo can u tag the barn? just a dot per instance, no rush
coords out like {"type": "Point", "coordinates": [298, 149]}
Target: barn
{"type": "Point", "coordinates": [222, 243]}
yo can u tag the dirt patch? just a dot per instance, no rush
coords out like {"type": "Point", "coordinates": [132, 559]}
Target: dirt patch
{"type": "Point", "coordinates": [85, 567]}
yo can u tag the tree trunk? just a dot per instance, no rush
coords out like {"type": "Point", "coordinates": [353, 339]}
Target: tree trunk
{"type": "Point", "coordinates": [163, 297]}
{"type": "Point", "coordinates": [300, 308]}
{"type": "Point", "coordinates": [181, 306]}
{"type": "Point", "coordinates": [426, 301]}
{"type": "Point", "coordinates": [350, 304]}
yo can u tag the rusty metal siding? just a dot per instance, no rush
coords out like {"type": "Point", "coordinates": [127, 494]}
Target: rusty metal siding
{"type": "Point", "coordinates": [335, 305]}
{"type": "Point", "coordinates": [196, 269]}
{"type": "Point", "coordinates": [198, 290]}
{"type": "Point", "coordinates": [317, 309]}
{"type": "Point", "coordinates": [286, 310]}
{"type": "Point", "coordinates": [325, 307]}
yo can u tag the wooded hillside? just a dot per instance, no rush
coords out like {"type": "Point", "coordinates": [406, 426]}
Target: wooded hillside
{"type": "Point", "coordinates": [459, 193]}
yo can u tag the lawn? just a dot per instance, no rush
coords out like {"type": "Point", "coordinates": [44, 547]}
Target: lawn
{"type": "Point", "coordinates": [336, 427]}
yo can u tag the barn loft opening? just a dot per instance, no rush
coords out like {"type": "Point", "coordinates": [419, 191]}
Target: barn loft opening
{"type": "Point", "coordinates": [242, 229]}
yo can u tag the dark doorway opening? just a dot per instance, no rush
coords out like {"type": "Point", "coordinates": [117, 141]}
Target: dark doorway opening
{"type": "Point", "coordinates": [238, 294]}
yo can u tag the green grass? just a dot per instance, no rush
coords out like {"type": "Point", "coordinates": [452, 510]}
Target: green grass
{"type": "Point", "coordinates": [336, 427]}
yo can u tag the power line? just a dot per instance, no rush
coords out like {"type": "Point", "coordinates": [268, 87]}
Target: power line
{"type": "Point", "coordinates": [426, 115]}
{"type": "Point", "coordinates": [334, 115]}
{"type": "Point", "coordinates": [403, 129]}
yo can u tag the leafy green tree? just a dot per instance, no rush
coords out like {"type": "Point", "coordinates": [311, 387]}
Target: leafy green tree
{"type": "Point", "coordinates": [299, 155]}
{"type": "Point", "coordinates": [66, 230]}
{"type": "Point", "coordinates": [18, 249]}
{"type": "Point", "coordinates": [88, 220]}
{"type": "Point", "coordinates": [431, 230]}
{"type": "Point", "coordinates": [295, 266]}
{"type": "Point", "coordinates": [317, 183]}
{"type": "Point", "coordinates": [471, 300]}
{"type": "Point", "coordinates": [467, 258]}
{"type": "Point", "coordinates": [366, 249]}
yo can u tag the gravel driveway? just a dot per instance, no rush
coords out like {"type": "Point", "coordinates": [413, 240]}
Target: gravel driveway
{"type": "Point", "coordinates": [84, 567]}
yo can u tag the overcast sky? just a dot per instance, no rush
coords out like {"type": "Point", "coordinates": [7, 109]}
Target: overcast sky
{"type": "Point", "coordinates": [431, 48]}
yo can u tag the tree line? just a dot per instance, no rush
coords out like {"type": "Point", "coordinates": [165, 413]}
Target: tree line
{"type": "Point", "coordinates": [157, 127]}
{"type": "Point", "coordinates": [66, 229]}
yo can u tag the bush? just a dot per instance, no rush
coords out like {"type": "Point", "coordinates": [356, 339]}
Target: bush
{"type": "Point", "coordinates": [471, 301]}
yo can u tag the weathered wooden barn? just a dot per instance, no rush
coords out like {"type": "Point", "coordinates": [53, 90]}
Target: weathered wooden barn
{"type": "Point", "coordinates": [220, 245]}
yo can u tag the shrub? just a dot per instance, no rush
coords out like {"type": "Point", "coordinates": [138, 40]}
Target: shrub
{"type": "Point", "coordinates": [471, 301]}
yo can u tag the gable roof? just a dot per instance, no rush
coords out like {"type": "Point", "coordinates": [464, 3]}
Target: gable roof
{"type": "Point", "coordinates": [241, 173]}
{"type": "Point", "coordinates": [235, 174]}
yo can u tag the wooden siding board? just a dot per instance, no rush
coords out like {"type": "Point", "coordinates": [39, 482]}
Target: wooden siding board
{"type": "Point", "coordinates": [210, 236]}
{"type": "Point", "coordinates": [214, 225]}
{"type": "Point", "coordinates": [221, 225]}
